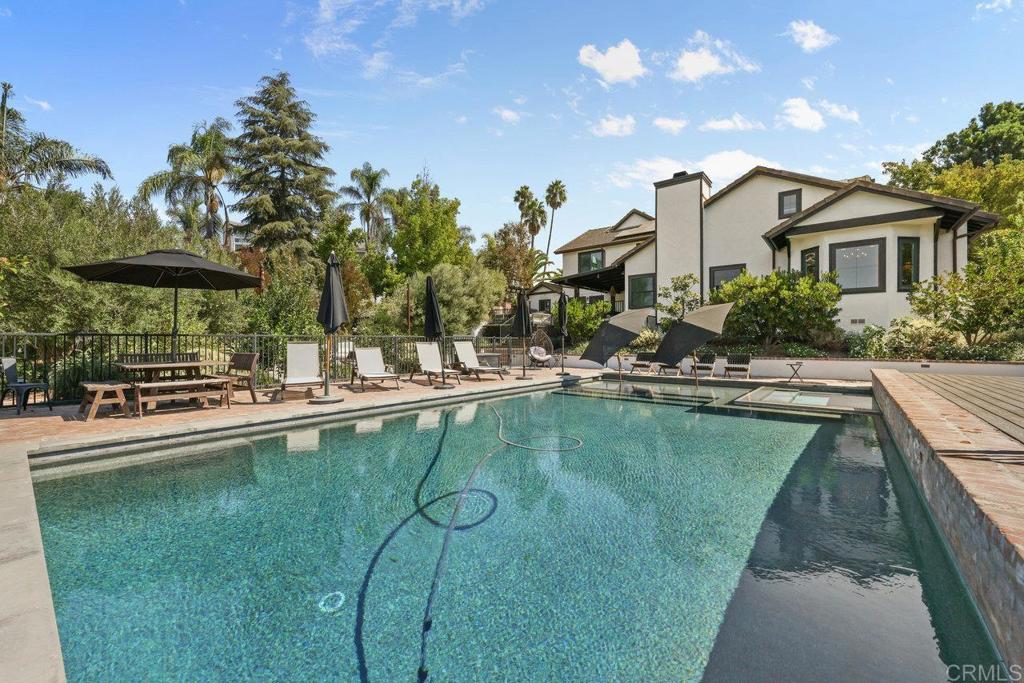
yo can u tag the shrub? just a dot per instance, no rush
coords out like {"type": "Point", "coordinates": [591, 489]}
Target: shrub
{"type": "Point", "coordinates": [858, 342]}
{"type": "Point", "coordinates": [583, 319]}
{"type": "Point", "coordinates": [779, 307]}
{"type": "Point", "coordinates": [648, 340]}
{"type": "Point", "coordinates": [910, 338]}
{"type": "Point", "coordinates": [682, 298]}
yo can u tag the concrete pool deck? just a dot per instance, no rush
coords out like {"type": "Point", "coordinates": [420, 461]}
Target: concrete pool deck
{"type": "Point", "coordinates": [29, 641]}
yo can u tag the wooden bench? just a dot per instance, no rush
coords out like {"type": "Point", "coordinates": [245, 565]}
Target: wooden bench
{"type": "Point", "coordinates": [202, 390]}
{"type": "Point", "coordinates": [104, 394]}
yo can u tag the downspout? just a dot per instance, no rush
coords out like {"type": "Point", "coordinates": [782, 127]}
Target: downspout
{"type": "Point", "coordinates": [789, 255]}
{"type": "Point", "coordinates": [700, 200]}
{"type": "Point", "coordinates": [935, 251]}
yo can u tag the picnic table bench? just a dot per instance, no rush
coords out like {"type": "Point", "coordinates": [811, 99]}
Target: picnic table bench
{"type": "Point", "coordinates": [202, 390]}
{"type": "Point", "coordinates": [104, 394]}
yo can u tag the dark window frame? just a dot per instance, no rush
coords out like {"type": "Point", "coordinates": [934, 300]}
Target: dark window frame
{"type": "Point", "coordinates": [880, 242]}
{"type": "Point", "coordinates": [817, 261]}
{"type": "Point", "coordinates": [629, 290]}
{"type": "Point", "coordinates": [915, 264]}
{"type": "Point", "coordinates": [541, 305]}
{"type": "Point", "coordinates": [799, 194]}
{"type": "Point", "coordinates": [715, 269]}
{"type": "Point", "coordinates": [579, 260]}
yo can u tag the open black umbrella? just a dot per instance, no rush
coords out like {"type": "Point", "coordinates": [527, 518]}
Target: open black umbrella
{"type": "Point", "coordinates": [332, 314]}
{"type": "Point", "coordinates": [522, 324]}
{"type": "Point", "coordinates": [563, 324]}
{"type": "Point", "coordinates": [433, 326]}
{"type": "Point", "coordinates": [169, 269]}
{"type": "Point", "coordinates": [614, 333]}
{"type": "Point", "coordinates": [695, 329]}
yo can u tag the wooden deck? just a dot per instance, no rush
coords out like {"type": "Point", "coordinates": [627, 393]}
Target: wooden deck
{"type": "Point", "coordinates": [996, 400]}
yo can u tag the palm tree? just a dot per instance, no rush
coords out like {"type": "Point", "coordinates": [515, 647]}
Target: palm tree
{"type": "Point", "coordinates": [555, 198]}
{"type": "Point", "coordinates": [189, 216]}
{"type": "Point", "coordinates": [197, 171]}
{"type": "Point", "coordinates": [522, 198]}
{"type": "Point", "coordinates": [534, 217]}
{"type": "Point", "coordinates": [370, 200]}
{"type": "Point", "coordinates": [29, 159]}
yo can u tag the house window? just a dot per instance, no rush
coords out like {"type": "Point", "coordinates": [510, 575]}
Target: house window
{"type": "Point", "coordinates": [544, 305]}
{"type": "Point", "coordinates": [859, 266]}
{"type": "Point", "coordinates": [722, 274]}
{"type": "Point", "coordinates": [789, 203]}
{"type": "Point", "coordinates": [641, 291]}
{"type": "Point", "coordinates": [591, 260]}
{"type": "Point", "coordinates": [908, 251]}
{"type": "Point", "coordinates": [809, 262]}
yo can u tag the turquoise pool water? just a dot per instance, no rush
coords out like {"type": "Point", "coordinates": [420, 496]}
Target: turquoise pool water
{"type": "Point", "coordinates": [674, 543]}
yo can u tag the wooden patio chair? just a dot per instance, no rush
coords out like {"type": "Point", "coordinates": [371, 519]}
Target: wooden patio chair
{"type": "Point", "coordinates": [241, 373]}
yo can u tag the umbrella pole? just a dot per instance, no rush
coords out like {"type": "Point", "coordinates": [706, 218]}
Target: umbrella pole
{"type": "Point", "coordinates": [174, 328]}
{"type": "Point", "coordinates": [523, 376]}
{"type": "Point", "coordinates": [563, 373]}
{"type": "Point", "coordinates": [327, 364]}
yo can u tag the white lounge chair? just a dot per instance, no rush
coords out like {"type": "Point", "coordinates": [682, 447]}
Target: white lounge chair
{"type": "Point", "coordinates": [370, 367]}
{"type": "Point", "coordinates": [429, 355]}
{"type": "Point", "coordinates": [467, 356]}
{"type": "Point", "coordinates": [302, 368]}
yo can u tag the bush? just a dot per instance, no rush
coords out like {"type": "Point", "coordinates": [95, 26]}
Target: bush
{"type": "Point", "coordinates": [648, 340]}
{"type": "Point", "coordinates": [583, 319]}
{"type": "Point", "coordinates": [857, 343]}
{"type": "Point", "coordinates": [917, 338]}
{"type": "Point", "coordinates": [779, 307]}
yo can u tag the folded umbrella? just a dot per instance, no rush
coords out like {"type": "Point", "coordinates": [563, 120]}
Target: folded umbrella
{"type": "Point", "coordinates": [333, 312]}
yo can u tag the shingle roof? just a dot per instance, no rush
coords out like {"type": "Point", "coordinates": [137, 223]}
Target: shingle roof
{"type": "Point", "coordinates": [776, 173]}
{"type": "Point", "coordinates": [600, 237]}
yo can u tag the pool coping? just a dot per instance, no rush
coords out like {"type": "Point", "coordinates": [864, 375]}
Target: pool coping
{"type": "Point", "coordinates": [30, 648]}
{"type": "Point", "coordinates": [973, 497]}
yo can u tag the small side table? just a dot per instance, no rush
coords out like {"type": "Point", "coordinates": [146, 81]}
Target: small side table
{"type": "Point", "coordinates": [795, 367]}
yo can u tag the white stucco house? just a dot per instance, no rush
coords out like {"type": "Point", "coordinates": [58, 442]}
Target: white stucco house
{"type": "Point", "coordinates": [879, 240]}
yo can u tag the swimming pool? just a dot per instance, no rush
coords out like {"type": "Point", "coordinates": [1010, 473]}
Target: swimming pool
{"type": "Point", "coordinates": [595, 539]}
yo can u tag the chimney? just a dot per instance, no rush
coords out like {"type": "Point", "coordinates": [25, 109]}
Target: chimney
{"type": "Point", "coordinates": [679, 226]}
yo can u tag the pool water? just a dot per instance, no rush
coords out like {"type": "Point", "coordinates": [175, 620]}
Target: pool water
{"type": "Point", "coordinates": [545, 537]}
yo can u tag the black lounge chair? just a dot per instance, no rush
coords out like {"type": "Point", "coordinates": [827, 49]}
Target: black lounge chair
{"type": "Point", "coordinates": [737, 363]}
{"type": "Point", "coordinates": [21, 389]}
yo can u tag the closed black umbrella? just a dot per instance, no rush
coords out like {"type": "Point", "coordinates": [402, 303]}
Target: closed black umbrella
{"type": "Point", "coordinates": [563, 324]}
{"type": "Point", "coordinates": [433, 326]}
{"type": "Point", "coordinates": [694, 330]}
{"type": "Point", "coordinates": [332, 314]}
{"type": "Point", "coordinates": [522, 325]}
{"type": "Point", "coordinates": [169, 269]}
{"type": "Point", "coordinates": [614, 333]}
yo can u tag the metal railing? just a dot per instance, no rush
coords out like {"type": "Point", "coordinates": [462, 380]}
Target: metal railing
{"type": "Point", "coordinates": [64, 360]}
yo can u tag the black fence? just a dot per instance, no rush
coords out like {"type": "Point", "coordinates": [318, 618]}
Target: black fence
{"type": "Point", "coordinates": [64, 360]}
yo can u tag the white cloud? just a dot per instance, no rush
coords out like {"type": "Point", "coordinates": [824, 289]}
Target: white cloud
{"type": "Point", "coordinates": [276, 54]}
{"type": "Point", "coordinates": [840, 111]}
{"type": "Point", "coordinates": [409, 10]}
{"type": "Point", "coordinates": [913, 118]}
{"type": "Point", "coordinates": [508, 115]}
{"type": "Point", "coordinates": [461, 119]}
{"type": "Point", "coordinates": [809, 82]}
{"type": "Point", "coordinates": [721, 167]}
{"type": "Point", "coordinates": [5, 11]}
{"type": "Point", "coordinates": [994, 6]}
{"type": "Point", "coordinates": [707, 57]}
{"type": "Point", "coordinates": [809, 36]}
{"type": "Point", "coordinates": [376, 64]}
{"type": "Point", "coordinates": [614, 126]}
{"type": "Point", "coordinates": [668, 125]}
{"type": "Point", "coordinates": [735, 122]}
{"type": "Point", "coordinates": [798, 113]}
{"type": "Point", "coordinates": [42, 104]}
{"type": "Point", "coordinates": [335, 21]}
{"type": "Point", "coordinates": [618, 64]}
{"type": "Point", "coordinates": [521, 100]}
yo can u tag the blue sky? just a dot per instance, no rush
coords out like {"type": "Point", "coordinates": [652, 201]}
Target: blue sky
{"type": "Point", "coordinates": [491, 94]}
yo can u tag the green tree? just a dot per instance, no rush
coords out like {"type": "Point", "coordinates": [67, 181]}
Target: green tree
{"type": "Point", "coordinates": [779, 307]}
{"type": "Point", "coordinates": [554, 197]}
{"type": "Point", "coordinates": [427, 229]}
{"type": "Point", "coordinates": [996, 132]}
{"type": "Point", "coordinates": [508, 252]}
{"type": "Point", "coordinates": [466, 294]}
{"type": "Point", "coordinates": [534, 218]}
{"type": "Point", "coordinates": [380, 271]}
{"type": "Point", "coordinates": [284, 185]}
{"type": "Point", "coordinates": [682, 297]}
{"type": "Point", "coordinates": [368, 198]}
{"type": "Point", "coordinates": [30, 160]}
{"type": "Point", "coordinates": [987, 298]}
{"type": "Point", "coordinates": [582, 318]}
{"type": "Point", "coordinates": [197, 171]}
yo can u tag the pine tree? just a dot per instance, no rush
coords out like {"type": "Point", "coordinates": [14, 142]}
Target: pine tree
{"type": "Point", "coordinates": [284, 186]}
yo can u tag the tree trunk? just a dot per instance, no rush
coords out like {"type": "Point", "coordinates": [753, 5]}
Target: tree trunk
{"type": "Point", "coordinates": [547, 251]}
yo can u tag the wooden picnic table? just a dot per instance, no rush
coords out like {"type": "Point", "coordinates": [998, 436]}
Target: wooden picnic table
{"type": "Point", "coordinates": [189, 369]}
{"type": "Point", "coordinates": [171, 380]}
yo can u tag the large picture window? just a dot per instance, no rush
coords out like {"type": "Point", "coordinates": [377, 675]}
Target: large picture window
{"type": "Point", "coordinates": [859, 266]}
{"type": "Point", "coordinates": [722, 274]}
{"type": "Point", "coordinates": [641, 291]}
{"type": "Point", "coordinates": [908, 253]}
{"type": "Point", "coordinates": [591, 260]}
{"type": "Point", "coordinates": [809, 262]}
